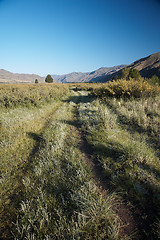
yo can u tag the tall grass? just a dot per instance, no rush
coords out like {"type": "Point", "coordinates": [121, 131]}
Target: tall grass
{"type": "Point", "coordinates": [124, 137]}
{"type": "Point", "coordinates": [61, 199]}
{"type": "Point", "coordinates": [20, 129]}
{"type": "Point", "coordinates": [30, 95]}
{"type": "Point", "coordinates": [48, 190]}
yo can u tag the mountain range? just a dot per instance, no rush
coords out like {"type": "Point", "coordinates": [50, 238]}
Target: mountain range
{"type": "Point", "coordinates": [95, 76]}
{"type": "Point", "coordinates": [147, 66]}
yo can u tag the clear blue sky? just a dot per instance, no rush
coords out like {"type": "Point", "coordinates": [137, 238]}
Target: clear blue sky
{"type": "Point", "coordinates": [62, 36]}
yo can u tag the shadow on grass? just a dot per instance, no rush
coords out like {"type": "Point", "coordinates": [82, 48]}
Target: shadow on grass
{"type": "Point", "coordinates": [132, 126]}
{"type": "Point", "coordinates": [10, 210]}
{"type": "Point", "coordinates": [64, 186]}
{"type": "Point", "coordinates": [116, 176]}
{"type": "Point", "coordinates": [150, 169]}
{"type": "Point", "coordinates": [112, 167]}
{"type": "Point", "coordinates": [80, 99]}
{"type": "Point", "coordinates": [40, 142]}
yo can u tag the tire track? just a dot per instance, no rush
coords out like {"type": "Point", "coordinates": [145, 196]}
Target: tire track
{"type": "Point", "coordinates": [129, 216]}
{"type": "Point", "coordinates": [8, 215]}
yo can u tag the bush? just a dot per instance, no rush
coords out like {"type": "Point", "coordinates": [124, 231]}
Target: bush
{"type": "Point", "coordinates": [127, 74]}
{"type": "Point", "coordinates": [124, 88]}
{"type": "Point", "coordinates": [30, 95]}
{"type": "Point", "coordinates": [154, 80]}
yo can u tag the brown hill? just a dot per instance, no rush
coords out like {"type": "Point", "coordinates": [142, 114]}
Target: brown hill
{"type": "Point", "coordinates": [148, 66]}
{"type": "Point", "coordinates": [8, 77]}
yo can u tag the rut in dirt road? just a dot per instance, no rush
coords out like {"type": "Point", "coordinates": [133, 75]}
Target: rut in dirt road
{"type": "Point", "coordinates": [130, 216]}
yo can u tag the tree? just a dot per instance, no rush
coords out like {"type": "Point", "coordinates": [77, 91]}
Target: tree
{"type": "Point", "coordinates": [134, 73]}
{"type": "Point", "coordinates": [36, 80]}
{"type": "Point", "coordinates": [124, 73]}
{"type": "Point", "coordinates": [49, 79]}
{"type": "Point", "coordinates": [154, 80]}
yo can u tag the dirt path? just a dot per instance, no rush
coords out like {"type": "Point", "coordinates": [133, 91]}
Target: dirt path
{"type": "Point", "coordinates": [130, 217]}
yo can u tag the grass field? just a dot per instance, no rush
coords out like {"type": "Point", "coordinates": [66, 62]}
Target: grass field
{"type": "Point", "coordinates": [71, 156]}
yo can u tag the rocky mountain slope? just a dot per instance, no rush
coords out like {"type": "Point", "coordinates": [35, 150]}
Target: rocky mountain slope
{"type": "Point", "coordinates": [148, 66]}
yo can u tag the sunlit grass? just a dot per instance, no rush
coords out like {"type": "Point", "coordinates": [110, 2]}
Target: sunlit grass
{"type": "Point", "coordinates": [20, 130]}
{"type": "Point", "coordinates": [124, 136]}
{"type": "Point", "coordinates": [45, 181]}
{"type": "Point", "coordinates": [29, 95]}
{"type": "Point", "coordinates": [61, 200]}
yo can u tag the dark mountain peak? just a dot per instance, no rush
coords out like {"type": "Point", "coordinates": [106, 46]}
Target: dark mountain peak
{"type": "Point", "coordinates": [149, 60]}
{"type": "Point", "coordinates": [148, 66]}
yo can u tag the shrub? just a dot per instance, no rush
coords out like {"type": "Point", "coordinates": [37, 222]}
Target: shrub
{"type": "Point", "coordinates": [127, 74]}
{"type": "Point", "coordinates": [154, 80]}
{"type": "Point", "coordinates": [30, 95]}
{"type": "Point", "coordinates": [124, 88]}
{"type": "Point", "coordinates": [134, 73]}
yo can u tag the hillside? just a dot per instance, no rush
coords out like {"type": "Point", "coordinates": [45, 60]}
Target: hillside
{"type": "Point", "coordinates": [95, 76]}
{"type": "Point", "coordinates": [148, 66]}
{"type": "Point", "coordinates": [9, 77]}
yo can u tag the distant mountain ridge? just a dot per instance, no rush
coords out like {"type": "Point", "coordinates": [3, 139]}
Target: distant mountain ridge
{"type": "Point", "coordinates": [9, 77]}
{"type": "Point", "coordinates": [147, 66]}
{"type": "Point", "coordinates": [95, 76]}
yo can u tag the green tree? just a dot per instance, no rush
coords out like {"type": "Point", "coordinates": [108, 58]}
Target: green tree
{"type": "Point", "coordinates": [124, 73]}
{"type": "Point", "coordinates": [49, 79]}
{"type": "Point", "coordinates": [36, 80]}
{"type": "Point", "coordinates": [115, 78]}
{"type": "Point", "coordinates": [134, 73]}
{"type": "Point", "coordinates": [154, 80]}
